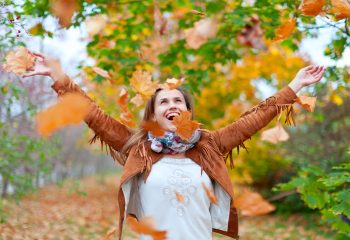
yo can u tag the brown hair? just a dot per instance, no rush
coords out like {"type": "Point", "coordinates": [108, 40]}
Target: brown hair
{"type": "Point", "coordinates": [140, 134]}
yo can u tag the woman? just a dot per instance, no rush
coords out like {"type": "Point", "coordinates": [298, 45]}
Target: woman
{"type": "Point", "coordinates": [156, 169]}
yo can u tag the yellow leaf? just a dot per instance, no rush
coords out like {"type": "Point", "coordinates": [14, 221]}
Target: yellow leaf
{"type": "Point", "coordinates": [285, 30]}
{"type": "Point", "coordinates": [307, 102]}
{"type": "Point", "coordinates": [19, 61]}
{"type": "Point", "coordinates": [335, 98]}
{"type": "Point", "coordinates": [185, 126]}
{"type": "Point", "coordinates": [141, 82]}
{"type": "Point", "coordinates": [275, 134]}
{"type": "Point", "coordinates": [341, 9]}
{"type": "Point", "coordinates": [173, 83]}
{"type": "Point", "coordinates": [311, 7]}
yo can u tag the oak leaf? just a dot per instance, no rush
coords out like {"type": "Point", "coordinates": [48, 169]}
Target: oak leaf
{"type": "Point", "coordinates": [141, 82]}
{"type": "Point", "coordinates": [70, 109]}
{"type": "Point", "coordinates": [201, 32]}
{"type": "Point", "coordinates": [146, 226]}
{"type": "Point", "coordinates": [285, 30]}
{"type": "Point", "coordinates": [307, 102]}
{"type": "Point", "coordinates": [341, 9]}
{"type": "Point", "coordinates": [253, 204]}
{"type": "Point", "coordinates": [19, 61]}
{"type": "Point", "coordinates": [184, 124]}
{"type": "Point", "coordinates": [210, 194]}
{"type": "Point", "coordinates": [64, 10]}
{"type": "Point", "coordinates": [275, 134]}
{"type": "Point", "coordinates": [179, 197]}
{"type": "Point", "coordinates": [154, 128]}
{"type": "Point", "coordinates": [311, 7]}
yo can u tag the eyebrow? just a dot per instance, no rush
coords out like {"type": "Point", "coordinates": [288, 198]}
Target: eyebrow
{"type": "Point", "coordinates": [168, 98]}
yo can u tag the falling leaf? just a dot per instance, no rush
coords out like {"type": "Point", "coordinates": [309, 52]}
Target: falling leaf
{"type": "Point", "coordinates": [179, 197]}
{"type": "Point", "coordinates": [96, 24]}
{"type": "Point", "coordinates": [341, 9]}
{"type": "Point", "coordinates": [70, 109]}
{"type": "Point", "coordinates": [311, 7]}
{"type": "Point", "coordinates": [160, 22]}
{"type": "Point", "coordinates": [185, 126]}
{"type": "Point", "coordinates": [173, 83]}
{"type": "Point", "coordinates": [19, 61]}
{"type": "Point", "coordinates": [251, 35]}
{"type": "Point", "coordinates": [146, 226]}
{"type": "Point", "coordinates": [101, 72]}
{"type": "Point", "coordinates": [137, 100]}
{"type": "Point", "coordinates": [210, 194]}
{"type": "Point", "coordinates": [275, 135]}
{"type": "Point", "coordinates": [153, 47]}
{"type": "Point", "coordinates": [37, 29]}
{"type": "Point", "coordinates": [307, 102]}
{"type": "Point", "coordinates": [141, 82]}
{"type": "Point", "coordinates": [64, 10]}
{"type": "Point", "coordinates": [154, 128]}
{"type": "Point", "coordinates": [253, 204]}
{"type": "Point", "coordinates": [126, 116]}
{"type": "Point", "coordinates": [201, 32]}
{"type": "Point", "coordinates": [285, 30]}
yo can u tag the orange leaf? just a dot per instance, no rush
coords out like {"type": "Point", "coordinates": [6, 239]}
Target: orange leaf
{"type": "Point", "coordinates": [141, 82]}
{"type": "Point", "coordinates": [173, 83]}
{"type": "Point", "coordinates": [70, 109]}
{"type": "Point", "coordinates": [311, 7]}
{"type": "Point", "coordinates": [201, 32]}
{"type": "Point", "coordinates": [185, 126]}
{"type": "Point", "coordinates": [137, 100]}
{"type": "Point", "coordinates": [275, 135]}
{"type": "Point", "coordinates": [154, 127]}
{"type": "Point", "coordinates": [64, 10]}
{"type": "Point", "coordinates": [146, 226]}
{"type": "Point", "coordinates": [19, 61]}
{"type": "Point", "coordinates": [210, 194]}
{"type": "Point", "coordinates": [125, 117]}
{"type": "Point", "coordinates": [307, 102]}
{"type": "Point", "coordinates": [179, 197]}
{"type": "Point", "coordinates": [123, 97]}
{"type": "Point", "coordinates": [101, 72]}
{"type": "Point", "coordinates": [285, 30]}
{"type": "Point", "coordinates": [160, 22]}
{"type": "Point", "coordinates": [341, 9]}
{"type": "Point", "coordinates": [253, 204]}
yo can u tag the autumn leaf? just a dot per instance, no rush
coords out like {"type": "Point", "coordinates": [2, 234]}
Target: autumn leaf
{"type": "Point", "coordinates": [185, 126]}
{"type": "Point", "coordinates": [154, 128]}
{"type": "Point", "coordinates": [70, 109]}
{"type": "Point", "coordinates": [285, 30]}
{"type": "Point", "coordinates": [160, 22]}
{"type": "Point", "coordinates": [126, 116]}
{"type": "Point", "coordinates": [311, 7]}
{"type": "Point", "coordinates": [179, 197]}
{"type": "Point", "coordinates": [275, 134]}
{"type": "Point", "coordinates": [64, 10]}
{"type": "Point", "coordinates": [153, 47]}
{"type": "Point", "coordinates": [252, 204]}
{"type": "Point", "coordinates": [101, 72]}
{"type": "Point", "coordinates": [341, 9]}
{"type": "Point", "coordinates": [173, 83]}
{"type": "Point", "coordinates": [137, 100]}
{"type": "Point", "coordinates": [146, 226]}
{"type": "Point", "coordinates": [210, 194]}
{"type": "Point", "coordinates": [307, 102]}
{"type": "Point", "coordinates": [141, 82]}
{"type": "Point", "coordinates": [201, 32]}
{"type": "Point", "coordinates": [251, 35]}
{"type": "Point", "coordinates": [19, 61]}
{"type": "Point", "coordinates": [96, 24]}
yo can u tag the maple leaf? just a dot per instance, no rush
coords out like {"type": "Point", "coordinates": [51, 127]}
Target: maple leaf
{"type": "Point", "coordinates": [275, 134]}
{"type": "Point", "coordinates": [101, 72]}
{"type": "Point", "coordinates": [311, 7]}
{"type": "Point", "coordinates": [154, 128]}
{"type": "Point", "coordinates": [146, 226]}
{"type": "Point", "coordinates": [251, 35]}
{"type": "Point", "coordinates": [160, 22]}
{"type": "Point", "coordinates": [64, 10]}
{"type": "Point", "coordinates": [253, 204]}
{"type": "Point", "coordinates": [70, 109]}
{"type": "Point", "coordinates": [179, 197]}
{"type": "Point", "coordinates": [185, 126]}
{"type": "Point", "coordinates": [173, 83]}
{"type": "Point", "coordinates": [19, 61]}
{"type": "Point", "coordinates": [307, 102]}
{"type": "Point", "coordinates": [285, 30]}
{"type": "Point", "coordinates": [96, 24]}
{"type": "Point", "coordinates": [341, 9]}
{"type": "Point", "coordinates": [141, 82]}
{"type": "Point", "coordinates": [126, 116]}
{"type": "Point", "coordinates": [201, 32]}
{"type": "Point", "coordinates": [210, 194]}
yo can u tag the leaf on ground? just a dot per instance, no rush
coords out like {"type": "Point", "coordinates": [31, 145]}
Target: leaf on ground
{"type": "Point", "coordinates": [70, 109]}
{"type": "Point", "coordinates": [253, 204]}
{"type": "Point", "coordinates": [210, 194]}
{"type": "Point", "coordinates": [200, 33]}
{"type": "Point", "coordinates": [179, 197]}
{"type": "Point", "coordinates": [341, 9]}
{"type": "Point", "coordinates": [160, 23]}
{"type": "Point", "coordinates": [311, 7]}
{"type": "Point", "coordinates": [275, 134]}
{"type": "Point", "coordinates": [285, 30]}
{"type": "Point", "coordinates": [101, 72]}
{"type": "Point", "coordinates": [252, 35]}
{"type": "Point", "coordinates": [141, 82]}
{"type": "Point", "coordinates": [184, 124]}
{"type": "Point", "coordinates": [154, 128]}
{"type": "Point", "coordinates": [307, 102]}
{"type": "Point", "coordinates": [64, 10]}
{"type": "Point", "coordinates": [19, 61]}
{"type": "Point", "coordinates": [146, 226]}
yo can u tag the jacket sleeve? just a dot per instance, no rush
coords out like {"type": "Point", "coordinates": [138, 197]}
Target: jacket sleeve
{"type": "Point", "coordinates": [253, 120]}
{"type": "Point", "coordinates": [108, 130]}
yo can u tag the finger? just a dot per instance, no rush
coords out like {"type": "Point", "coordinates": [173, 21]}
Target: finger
{"type": "Point", "coordinates": [313, 70]}
{"type": "Point", "coordinates": [39, 55]}
{"type": "Point", "coordinates": [29, 75]}
{"type": "Point", "coordinates": [319, 76]}
{"type": "Point", "coordinates": [310, 67]}
{"type": "Point", "coordinates": [319, 70]}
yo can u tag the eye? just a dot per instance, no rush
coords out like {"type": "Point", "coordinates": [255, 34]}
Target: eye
{"type": "Point", "coordinates": [163, 101]}
{"type": "Point", "coordinates": [178, 100]}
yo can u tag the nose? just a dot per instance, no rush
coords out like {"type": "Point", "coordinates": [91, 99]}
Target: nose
{"type": "Point", "coordinates": [172, 105]}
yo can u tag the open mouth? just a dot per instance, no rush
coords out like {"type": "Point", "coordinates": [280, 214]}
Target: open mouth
{"type": "Point", "coordinates": [171, 116]}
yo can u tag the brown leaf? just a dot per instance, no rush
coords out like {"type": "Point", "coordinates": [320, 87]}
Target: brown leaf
{"type": "Point", "coordinates": [311, 7]}
{"type": "Point", "coordinates": [252, 34]}
{"type": "Point", "coordinates": [160, 23]}
{"type": "Point", "coordinates": [179, 197]}
{"type": "Point", "coordinates": [101, 72]}
{"type": "Point", "coordinates": [307, 102]}
{"type": "Point", "coordinates": [146, 226]}
{"type": "Point", "coordinates": [201, 32]}
{"type": "Point", "coordinates": [285, 30]}
{"type": "Point", "coordinates": [185, 126]}
{"type": "Point", "coordinates": [154, 128]}
{"type": "Point", "coordinates": [341, 9]}
{"type": "Point", "coordinates": [275, 134]}
{"type": "Point", "coordinates": [141, 82]}
{"type": "Point", "coordinates": [64, 10]}
{"type": "Point", "coordinates": [70, 109]}
{"type": "Point", "coordinates": [253, 204]}
{"type": "Point", "coordinates": [210, 194]}
{"type": "Point", "coordinates": [19, 61]}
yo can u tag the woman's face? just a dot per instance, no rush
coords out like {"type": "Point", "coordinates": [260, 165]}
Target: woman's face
{"type": "Point", "coordinates": [167, 105]}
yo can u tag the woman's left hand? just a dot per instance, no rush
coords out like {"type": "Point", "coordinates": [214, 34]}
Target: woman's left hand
{"type": "Point", "coordinates": [307, 76]}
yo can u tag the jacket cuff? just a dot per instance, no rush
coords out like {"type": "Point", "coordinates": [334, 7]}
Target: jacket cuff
{"type": "Point", "coordinates": [286, 96]}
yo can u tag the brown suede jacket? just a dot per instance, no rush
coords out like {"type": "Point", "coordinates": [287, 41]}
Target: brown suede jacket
{"type": "Point", "coordinates": [209, 151]}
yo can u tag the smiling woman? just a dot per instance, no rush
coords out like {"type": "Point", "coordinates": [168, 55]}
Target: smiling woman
{"type": "Point", "coordinates": [169, 177]}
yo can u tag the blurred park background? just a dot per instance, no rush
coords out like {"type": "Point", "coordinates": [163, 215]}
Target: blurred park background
{"type": "Point", "coordinates": [232, 54]}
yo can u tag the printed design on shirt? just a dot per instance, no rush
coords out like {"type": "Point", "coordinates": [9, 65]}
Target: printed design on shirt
{"type": "Point", "coordinates": [180, 182]}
